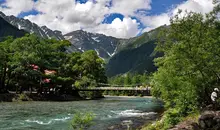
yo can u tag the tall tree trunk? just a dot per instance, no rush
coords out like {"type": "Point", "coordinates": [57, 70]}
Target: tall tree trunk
{"type": "Point", "coordinates": [4, 77]}
{"type": "Point", "coordinates": [9, 78]}
{"type": "Point", "coordinates": [75, 93]}
{"type": "Point", "coordinates": [0, 83]}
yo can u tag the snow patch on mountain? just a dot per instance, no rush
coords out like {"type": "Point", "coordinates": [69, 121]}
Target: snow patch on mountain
{"type": "Point", "coordinates": [95, 39]}
{"type": "Point", "coordinates": [109, 54]}
{"type": "Point", "coordinates": [114, 51]}
{"type": "Point", "coordinates": [97, 52]}
{"type": "Point", "coordinates": [80, 48]}
{"type": "Point", "coordinates": [19, 26]}
{"type": "Point", "coordinates": [68, 37]}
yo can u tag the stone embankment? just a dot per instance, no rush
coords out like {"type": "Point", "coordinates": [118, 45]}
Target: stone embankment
{"type": "Point", "coordinates": [8, 97]}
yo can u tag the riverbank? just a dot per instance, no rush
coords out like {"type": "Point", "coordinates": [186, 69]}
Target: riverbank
{"type": "Point", "coordinates": [13, 97]}
{"type": "Point", "coordinates": [129, 96]}
{"type": "Point", "coordinates": [206, 120]}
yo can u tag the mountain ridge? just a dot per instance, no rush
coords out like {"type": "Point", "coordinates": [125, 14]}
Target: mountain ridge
{"type": "Point", "coordinates": [137, 56]}
{"type": "Point", "coordinates": [122, 55]}
{"type": "Point", "coordinates": [104, 45]}
{"type": "Point", "coordinates": [31, 27]}
{"type": "Point", "coordinates": [6, 29]}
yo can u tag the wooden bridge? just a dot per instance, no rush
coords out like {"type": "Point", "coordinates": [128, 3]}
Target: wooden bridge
{"type": "Point", "coordinates": [141, 90]}
{"type": "Point", "coordinates": [115, 89]}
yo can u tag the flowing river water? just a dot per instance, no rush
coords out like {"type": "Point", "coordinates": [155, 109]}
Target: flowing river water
{"type": "Point", "coordinates": [109, 113]}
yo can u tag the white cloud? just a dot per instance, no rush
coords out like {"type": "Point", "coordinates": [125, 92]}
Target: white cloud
{"type": "Point", "coordinates": [118, 28]}
{"type": "Point", "coordinates": [127, 8]}
{"type": "Point", "coordinates": [84, 7]}
{"type": "Point", "coordinates": [199, 6]}
{"type": "Point", "coordinates": [15, 7]}
{"type": "Point", "coordinates": [68, 15]}
{"type": "Point", "coordinates": [153, 22]}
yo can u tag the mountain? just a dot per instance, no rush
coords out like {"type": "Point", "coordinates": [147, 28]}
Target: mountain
{"type": "Point", "coordinates": [30, 27]}
{"type": "Point", "coordinates": [122, 55]}
{"type": "Point", "coordinates": [6, 29]}
{"type": "Point", "coordinates": [136, 55]}
{"type": "Point", "coordinates": [105, 46]}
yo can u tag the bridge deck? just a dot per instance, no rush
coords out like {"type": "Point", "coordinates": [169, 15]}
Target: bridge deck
{"type": "Point", "coordinates": [115, 88]}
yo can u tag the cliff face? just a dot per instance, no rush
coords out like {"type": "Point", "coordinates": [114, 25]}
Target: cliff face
{"type": "Point", "coordinates": [31, 27]}
{"type": "Point", "coordinates": [6, 29]}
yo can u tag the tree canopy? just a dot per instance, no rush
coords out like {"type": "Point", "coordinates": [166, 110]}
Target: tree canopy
{"type": "Point", "coordinates": [39, 63]}
{"type": "Point", "coordinates": [189, 69]}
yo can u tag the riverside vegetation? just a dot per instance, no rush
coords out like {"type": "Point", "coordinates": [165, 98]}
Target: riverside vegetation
{"type": "Point", "coordinates": [128, 80]}
{"type": "Point", "coordinates": [82, 121]}
{"type": "Point", "coordinates": [33, 63]}
{"type": "Point", "coordinates": [189, 70]}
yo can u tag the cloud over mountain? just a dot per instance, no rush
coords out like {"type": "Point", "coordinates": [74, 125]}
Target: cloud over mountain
{"type": "Point", "coordinates": [70, 15]}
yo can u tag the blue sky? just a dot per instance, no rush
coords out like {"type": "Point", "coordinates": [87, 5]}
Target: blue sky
{"type": "Point", "coordinates": [119, 18]}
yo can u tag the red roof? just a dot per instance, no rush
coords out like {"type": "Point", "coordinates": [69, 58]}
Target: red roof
{"type": "Point", "coordinates": [46, 72]}
{"type": "Point", "coordinates": [46, 80]}
{"type": "Point", "coordinates": [49, 72]}
{"type": "Point", "coordinates": [35, 67]}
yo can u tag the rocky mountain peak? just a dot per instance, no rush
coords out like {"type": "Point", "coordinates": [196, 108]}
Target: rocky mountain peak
{"type": "Point", "coordinates": [105, 46]}
{"type": "Point", "coordinates": [30, 27]}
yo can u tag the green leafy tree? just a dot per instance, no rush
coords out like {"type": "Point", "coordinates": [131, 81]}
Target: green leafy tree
{"type": "Point", "coordinates": [127, 79]}
{"type": "Point", "coordinates": [117, 80]}
{"type": "Point", "coordinates": [91, 71]}
{"type": "Point", "coordinates": [5, 70]}
{"type": "Point", "coordinates": [92, 66]}
{"type": "Point", "coordinates": [189, 70]}
{"type": "Point", "coordinates": [27, 53]}
{"type": "Point", "coordinates": [23, 62]}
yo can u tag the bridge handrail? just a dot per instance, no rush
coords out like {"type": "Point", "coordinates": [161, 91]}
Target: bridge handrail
{"type": "Point", "coordinates": [117, 88]}
{"type": "Point", "coordinates": [134, 85]}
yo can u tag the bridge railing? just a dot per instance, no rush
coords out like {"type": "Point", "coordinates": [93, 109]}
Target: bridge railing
{"type": "Point", "coordinates": [115, 85]}
{"type": "Point", "coordinates": [117, 88]}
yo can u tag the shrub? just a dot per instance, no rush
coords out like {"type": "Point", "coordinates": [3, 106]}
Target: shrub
{"type": "Point", "coordinates": [22, 97]}
{"type": "Point", "coordinates": [82, 121]}
{"type": "Point", "coordinates": [170, 118]}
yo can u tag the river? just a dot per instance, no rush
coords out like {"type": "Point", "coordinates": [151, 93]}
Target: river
{"type": "Point", "coordinates": [109, 113]}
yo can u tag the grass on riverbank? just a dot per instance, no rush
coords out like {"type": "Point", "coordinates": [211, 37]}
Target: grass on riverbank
{"type": "Point", "coordinates": [21, 97]}
{"type": "Point", "coordinates": [169, 119]}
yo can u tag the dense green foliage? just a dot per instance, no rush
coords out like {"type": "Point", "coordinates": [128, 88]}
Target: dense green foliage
{"type": "Point", "coordinates": [131, 79]}
{"type": "Point", "coordinates": [24, 62]}
{"type": "Point", "coordinates": [82, 121]}
{"type": "Point", "coordinates": [189, 69]}
{"type": "Point", "coordinates": [128, 80]}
